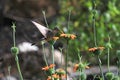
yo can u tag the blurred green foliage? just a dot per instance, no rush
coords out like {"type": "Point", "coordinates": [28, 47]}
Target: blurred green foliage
{"type": "Point", "coordinates": [107, 23]}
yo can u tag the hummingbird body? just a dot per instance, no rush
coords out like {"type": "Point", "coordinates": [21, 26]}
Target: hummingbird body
{"type": "Point", "coordinates": [46, 32]}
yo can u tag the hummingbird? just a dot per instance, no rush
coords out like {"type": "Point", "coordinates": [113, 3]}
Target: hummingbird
{"type": "Point", "coordinates": [46, 32]}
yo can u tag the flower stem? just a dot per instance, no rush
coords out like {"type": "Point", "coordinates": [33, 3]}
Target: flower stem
{"type": "Point", "coordinates": [18, 67]}
{"type": "Point", "coordinates": [13, 26]}
{"type": "Point", "coordinates": [79, 57]}
{"type": "Point", "coordinates": [94, 21]}
{"type": "Point", "coordinates": [9, 69]}
{"type": "Point", "coordinates": [53, 55]}
{"type": "Point", "coordinates": [44, 53]}
{"type": "Point", "coordinates": [99, 60]}
{"type": "Point", "coordinates": [109, 59]}
{"type": "Point", "coordinates": [61, 50]}
{"type": "Point", "coordinates": [68, 20]}
{"type": "Point", "coordinates": [66, 62]}
{"type": "Point", "coordinates": [108, 47]}
{"type": "Point", "coordinates": [16, 52]}
{"type": "Point", "coordinates": [45, 18]}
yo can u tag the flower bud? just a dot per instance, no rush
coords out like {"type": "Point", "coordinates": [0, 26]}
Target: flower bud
{"type": "Point", "coordinates": [14, 50]}
{"type": "Point", "coordinates": [60, 71]}
{"type": "Point", "coordinates": [51, 71]}
{"type": "Point", "coordinates": [109, 76]}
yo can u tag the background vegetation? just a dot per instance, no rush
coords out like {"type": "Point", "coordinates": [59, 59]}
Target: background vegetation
{"type": "Point", "coordinates": [71, 16]}
{"type": "Point", "coordinates": [107, 23]}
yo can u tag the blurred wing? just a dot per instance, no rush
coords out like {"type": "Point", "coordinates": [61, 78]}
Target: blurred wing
{"type": "Point", "coordinates": [41, 28]}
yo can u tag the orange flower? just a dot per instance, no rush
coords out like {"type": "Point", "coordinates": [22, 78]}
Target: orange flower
{"type": "Point", "coordinates": [55, 76]}
{"type": "Point", "coordinates": [55, 38]}
{"type": "Point", "coordinates": [95, 49]}
{"type": "Point", "coordinates": [51, 65]}
{"type": "Point", "coordinates": [101, 48]}
{"type": "Point", "coordinates": [87, 67]}
{"type": "Point", "coordinates": [45, 68]}
{"type": "Point", "coordinates": [49, 78]}
{"type": "Point", "coordinates": [92, 49]}
{"type": "Point", "coordinates": [63, 35]}
{"type": "Point", "coordinates": [61, 72]}
{"type": "Point", "coordinates": [80, 66]}
{"type": "Point", "coordinates": [73, 36]}
{"type": "Point", "coordinates": [76, 66]}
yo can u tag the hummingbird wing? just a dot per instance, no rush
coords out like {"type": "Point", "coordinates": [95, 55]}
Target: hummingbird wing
{"type": "Point", "coordinates": [42, 29]}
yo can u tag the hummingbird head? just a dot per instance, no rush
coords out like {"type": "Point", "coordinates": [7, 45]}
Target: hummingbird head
{"type": "Point", "coordinates": [56, 30]}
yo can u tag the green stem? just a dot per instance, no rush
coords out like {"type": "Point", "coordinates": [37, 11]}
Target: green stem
{"type": "Point", "coordinates": [79, 74]}
{"type": "Point", "coordinates": [109, 46]}
{"type": "Point", "coordinates": [66, 62]}
{"type": "Point", "coordinates": [14, 37]}
{"type": "Point", "coordinates": [68, 20]}
{"type": "Point", "coordinates": [45, 18]}
{"type": "Point", "coordinates": [14, 30]}
{"type": "Point", "coordinates": [80, 71]}
{"type": "Point", "coordinates": [61, 54]}
{"type": "Point", "coordinates": [16, 56]}
{"type": "Point", "coordinates": [44, 54]}
{"type": "Point", "coordinates": [109, 59]}
{"type": "Point", "coordinates": [100, 67]}
{"type": "Point", "coordinates": [79, 57]}
{"type": "Point", "coordinates": [18, 67]}
{"type": "Point", "coordinates": [67, 44]}
{"type": "Point", "coordinates": [9, 69]}
{"type": "Point", "coordinates": [53, 55]}
{"type": "Point", "coordinates": [94, 21]}
{"type": "Point", "coordinates": [95, 40]}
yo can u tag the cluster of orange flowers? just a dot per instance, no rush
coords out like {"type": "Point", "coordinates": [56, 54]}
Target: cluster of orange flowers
{"type": "Point", "coordinates": [71, 36]}
{"type": "Point", "coordinates": [46, 68]}
{"type": "Point", "coordinates": [54, 76]}
{"type": "Point", "coordinates": [61, 72]}
{"type": "Point", "coordinates": [77, 66]}
{"type": "Point", "coordinates": [55, 38]}
{"type": "Point", "coordinates": [96, 48]}
{"type": "Point", "coordinates": [58, 74]}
